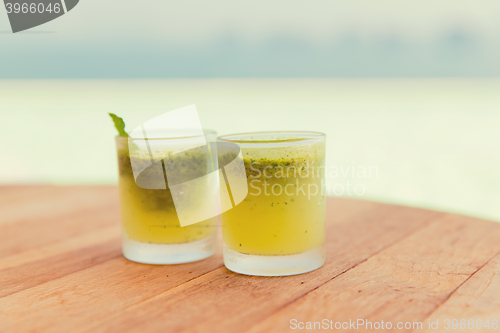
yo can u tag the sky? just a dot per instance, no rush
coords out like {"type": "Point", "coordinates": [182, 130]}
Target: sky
{"type": "Point", "coordinates": [260, 38]}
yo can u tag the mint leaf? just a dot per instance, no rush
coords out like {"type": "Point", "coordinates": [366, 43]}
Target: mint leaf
{"type": "Point", "coordinates": [119, 124]}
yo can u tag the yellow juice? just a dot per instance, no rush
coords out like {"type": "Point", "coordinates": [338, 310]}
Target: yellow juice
{"type": "Point", "coordinates": [149, 215]}
{"type": "Point", "coordinates": [284, 211]}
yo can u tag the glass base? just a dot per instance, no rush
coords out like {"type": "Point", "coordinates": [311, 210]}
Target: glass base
{"type": "Point", "coordinates": [168, 254]}
{"type": "Point", "coordinates": [259, 265]}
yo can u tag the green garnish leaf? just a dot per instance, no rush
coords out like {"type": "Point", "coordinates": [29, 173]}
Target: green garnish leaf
{"type": "Point", "coordinates": [119, 124]}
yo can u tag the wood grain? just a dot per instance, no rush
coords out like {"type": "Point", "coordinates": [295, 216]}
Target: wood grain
{"type": "Point", "coordinates": [61, 270]}
{"type": "Point", "coordinates": [477, 299]}
{"type": "Point", "coordinates": [406, 282]}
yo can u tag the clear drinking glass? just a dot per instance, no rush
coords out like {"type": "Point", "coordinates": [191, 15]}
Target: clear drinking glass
{"type": "Point", "coordinates": [157, 178]}
{"type": "Point", "coordinates": [279, 228]}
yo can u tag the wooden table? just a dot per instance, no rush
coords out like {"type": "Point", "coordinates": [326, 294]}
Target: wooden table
{"type": "Point", "coordinates": [61, 270]}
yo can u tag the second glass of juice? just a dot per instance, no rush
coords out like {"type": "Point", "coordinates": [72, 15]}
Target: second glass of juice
{"type": "Point", "coordinates": [152, 230]}
{"type": "Point", "coordinates": [279, 228]}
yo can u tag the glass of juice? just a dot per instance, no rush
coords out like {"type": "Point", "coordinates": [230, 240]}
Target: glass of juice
{"type": "Point", "coordinates": [279, 228]}
{"type": "Point", "coordinates": [152, 231]}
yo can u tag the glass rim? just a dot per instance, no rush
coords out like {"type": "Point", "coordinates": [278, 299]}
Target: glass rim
{"type": "Point", "coordinates": [178, 137]}
{"type": "Point", "coordinates": [294, 136]}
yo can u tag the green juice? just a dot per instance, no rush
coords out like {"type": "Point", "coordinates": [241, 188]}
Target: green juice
{"type": "Point", "coordinates": [284, 211]}
{"type": "Point", "coordinates": [149, 215]}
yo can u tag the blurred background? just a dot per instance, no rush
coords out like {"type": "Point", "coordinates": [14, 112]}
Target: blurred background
{"type": "Point", "coordinates": [411, 88]}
